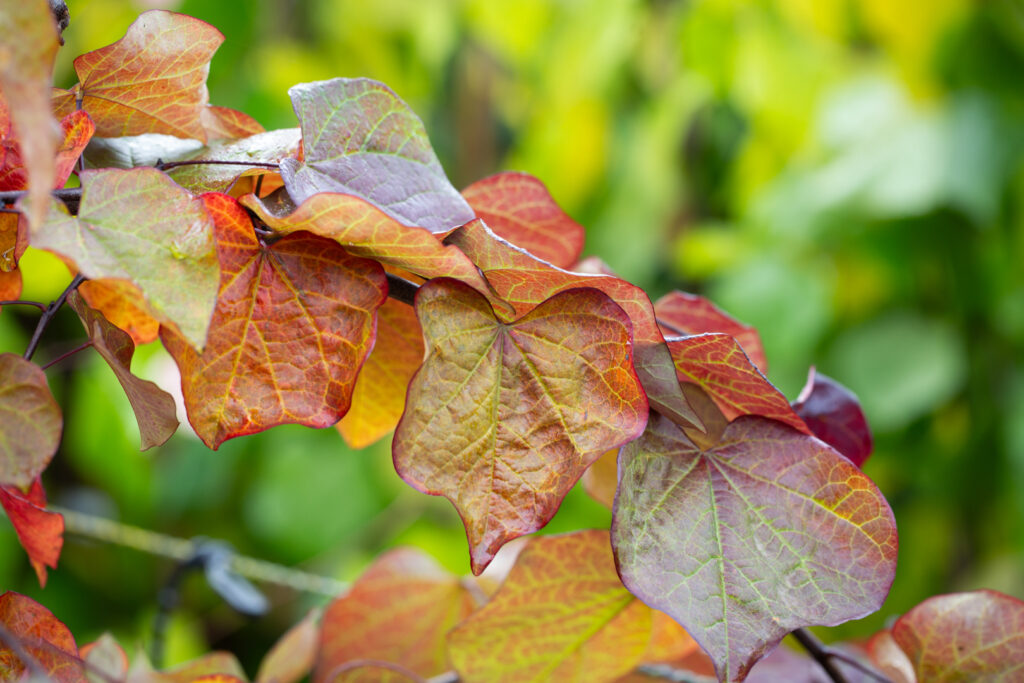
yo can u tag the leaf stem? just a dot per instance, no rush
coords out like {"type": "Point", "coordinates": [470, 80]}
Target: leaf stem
{"type": "Point", "coordinates": [68, 354]}
{"type": "Point", "coordinates": [48, 313]}
{"type": "Point", "coordinates": [401, 289]}
{"type": "Point", "coordinates": [825, 655]}
{"type": "Point", "coordinates": [22, 302]}
{"type": "Point", "coordinates": [165, 166]}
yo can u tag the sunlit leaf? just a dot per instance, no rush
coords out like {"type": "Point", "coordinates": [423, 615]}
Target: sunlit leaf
{"type": "Point", "coordinates": [75, 132]}
{"type": "Point", "coordinates": [40, 532]}
{"type": "Point", "coordinates": [292, 326]}
{"type": "Point", "coordinates": [518, 208]}
{"type": "Point", "coordinates": [524, 282]}
{"type": "Point", "coordinates": [681, 313]}
{"type": "Point", "coordinates": [148, 149]}
{"type": "Point", "coordinates": [366, 231]}
{"type": "Point", "coordinates": [834, 414]}
{"type": "Point", "coordinates": [154, 408]}
{"type": "Point", "coordinates": [716, 363]}
{"type": "Point", "coordinates": [30, 421]}
{"type": "Point", "coordinates": [362, 139]}
{"type": "Point", "coordinates": [222, 123]}
{"type": "Point", "coordinates": [41, 636]}
{"type": "Point", "coordinates": [269, 147]}
{"type": "Point", "coordinates": [601, 478]}
{"type": "Point", "coordinates": [123, 305]}
{"type": "Point", "coordinates": [292, 657]}
{"type": "Point", "coordinates": [163, 244]}
{"type": "Point", "coordinates": [28, 45]}
{"type": "Point", "coordinates": [977, 636]}
{"type": "Point", "coordinates": [494, 419]}
{"type": "Point", "coordinates": [153, 80]}
{"type": "Point", "coordinates": [562, 614]}
{"type": "Point", "coordinates": [889, 659]}
{"type": "Point", "coordinates": [762, 531]}
{"type": "Point", "coordinates": [400, 611]}
{"type": "Point", "coordinates": [379, 396]}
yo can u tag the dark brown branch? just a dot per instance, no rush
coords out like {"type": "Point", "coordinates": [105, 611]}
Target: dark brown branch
{"type": "Point", "coordinates": [167, 165]}
{"type": "Point", "coordinates": [48, 313]}
{"type": "Point", "coordinates": [401, 289]}
{"type": "Point", "coordinates": [21, 302]}
{"type": "Point", "coordinates": [825, 657]}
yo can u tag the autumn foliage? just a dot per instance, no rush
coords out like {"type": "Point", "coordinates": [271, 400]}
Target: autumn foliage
{"type": "Point", "coordinates": [331, 275]}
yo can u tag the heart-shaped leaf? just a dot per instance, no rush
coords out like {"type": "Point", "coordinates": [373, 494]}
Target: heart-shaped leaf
{"type": "Point", "coordinates": [518, 208]}
{"type": "Point", "coordinates": [494, 419]}
{"type": "Point", "coordinates": [379, 397]}
{"type": "Point", "coordinates": [222, 123]}
{"type": "Point", "coordinates": [30, 421]}
{"type": "Point", "coordinates": [270, 147]}
{"type": "Point", "coordinates": [292, 326]}
{"type": "Point", "coordinates": [763, 531]}
{"type": "Point", "coordinates": [154, 408]}
{"type": "Point", "coordinates": [360, 138]}
{"type": "Point", "coordinates": [681, 313]}
{"type": "Point", "coordinates": [834, 414]}
{"type": "Point", "coordinates": [153, 80]}
{"type": "Point", "coordinates": [399, 611]}
{"type": "Point", "coordinates": [524, 281]}
{"type": "Point", "coordinates": [562, 614]}
{"type": "Point", "coordinates": [123, 305]}
{"type": "Point", "coordinates": [40, 532]}
{"type": "Point", "coordinates": [977, 636]}
{"type": "Point", "coordinates": [162, 243]}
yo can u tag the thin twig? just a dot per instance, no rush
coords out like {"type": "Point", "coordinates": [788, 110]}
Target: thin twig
{"type": "Point", "coordinates": [820, 653]}
{"type": "Point", "coordinates": [168, 165]}
{"type": "Point", "coordinates": [48, 313]}
{"type": "Point", "coordinates": [21, 302]}
{"type": "Point", "coordinates": [401, 289]}
{"type": "Point", "coordinates": [68, 354]}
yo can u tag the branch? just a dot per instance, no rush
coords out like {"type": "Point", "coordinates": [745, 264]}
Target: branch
{"type": "Point", "coordinates": [401, 289]}
{"type": "Point", "coordinates": [48, 313]}
{"type": "Point", "coordinates": [167, 165]}
{"type": "Point", "coordinates": [824, 656]}
{"type": "Point", "coordinates": [21, 302]}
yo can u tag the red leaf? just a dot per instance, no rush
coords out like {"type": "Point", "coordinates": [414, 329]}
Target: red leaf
{"type": "Point", "coordinates": [77, 129]}
{"type": "Point", "coordinates": [681, 313]}
{"type": "Point", "coordinates": [503, 418]}
{"type": "Point", "coordinates": [153, 80]}
{"type": "Point", "coordinates": [757, 532]}
{"type": "Point", "coordinates": [40, 532]}
{"type": "Point", "coordinates": [964, 636]}
{"type": "Point", "coordinates": [154, 408]}
{"type": "Point", "coordinates": [834, 414]}
{"type": "Point", "coordinates": [292, 326]}
{"type": "Point", "coordinates": [42, 637]}
{"type": "Point", "coordinates": [30, 421]}
{"type": "Point", "coordinates": [518, 208]}
{"type": "Point", "coordinates": [523, 281]}
{"type": "Point", "coordinates": [400, 611]}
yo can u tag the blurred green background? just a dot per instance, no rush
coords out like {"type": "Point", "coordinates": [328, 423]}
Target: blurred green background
{"type": "Point", "coordinates": [844, 174]}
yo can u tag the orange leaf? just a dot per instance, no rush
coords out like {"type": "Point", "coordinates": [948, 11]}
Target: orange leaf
{"type": "Point", "coordinates": [123, 305]}
{"type": "Point", "coordinates": [601, 478]}
{"type": "Point", "coordinates": [222, 123]}
{"type": "Point", "coordinates": [503, 418]}
{"type": "Point", "coordinates": [30, 421]}
{"type": "Point", "coordinates": [292, 326]}
{"type": "Point", "coordinates": [561, 615]}
{"type": "Point", "coordinates": [379, 396]}
{"type": "Point", "coordinates": [77, 129]}
{"type": "Point", "coordinates": [681, 313]}
{"type": "Point", "coordinates": [523, 281]}
{"type": "Point", "coordinates": [154, 408]}
{"type": "Point", "coordinates": [42, 637]}
{"type": "Point", "coordinates": [890, 659]}
{"type": "Point", "coordinates": [40, 532]}
{"type": "Point", "coordinates": [518, 208]}
{"type": "Point", "coordinates": [367, 231]}
{"type": "Point", "coordinates": [293, 656]}
{"type": "Point", "coordinates": [153, 80]}
{"type": "Point", "coordinates": [976, 636]}
{"type": "Point", "coordinates": [400, 611]}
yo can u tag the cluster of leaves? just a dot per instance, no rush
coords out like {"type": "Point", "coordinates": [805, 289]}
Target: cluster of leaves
{"type": "Point", "coordinates": [331, 275]}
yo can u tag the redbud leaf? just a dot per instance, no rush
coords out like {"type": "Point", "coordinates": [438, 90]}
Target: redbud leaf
{"type": "Point", "coordinates": [138, 225]}
{"type": "Point", "coordinates": [518, 208]}
{"type": "Point", "coordinates": [154, 408]}
{"type": "Point", "coordinates": [42, 637]}
{"type": "Point", "coordinates": [361, 139]}
{"type": "Point", "coordinates": [562, 614]}
{"type": "Point", "coordinates": [106, 657]}
{"type": "Point", "coordinates": [75, 132]}
{"type": "Point", "coordinates": [123, 305]}
{"type": "Point", "coordinates": [222, 123]}
{"type": "Point", "coordinates": [40, 532]}
{"type": "Point", "coordinates": [680, 313]}
{"type": "Point", "coordinates": [291, 328]}
{"type": "Point", "coordinates": [400, 611]}
{"type": "Point", "coordinates": [28, 45]}
{"type": "Point", "coordinates": [761, 532]}
{"type": "Point", "coordinates": [379, 396]}
{"type": "Point", "coordinates": [716, 363]}
{"type": "Point", "coordinates": [834, 414]}
{"type": "Point", "coordinates": [153, 80]}
{"type": "Point", "coordinates": [601, 478]}
{"type": "Point", "coordinates": [976, 636]}
{"type": "Point", "coordinates": [269, 147]}
{"type": "Point", "coordinates": [293, 656]}
{"type": "Point", "coordinates": [503, 418]}
{"type": "Point", "coordinates": [889, 659]}
{"type": "Point", "coordinates": [30, 421]}
{"type": "Point", "coordinates": [524, 281]}
{"type": "Point", "coordinates": [365, 230]}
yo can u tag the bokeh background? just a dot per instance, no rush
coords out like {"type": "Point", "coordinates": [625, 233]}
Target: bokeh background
{"type": "Point", "coordinates": [845, 174]}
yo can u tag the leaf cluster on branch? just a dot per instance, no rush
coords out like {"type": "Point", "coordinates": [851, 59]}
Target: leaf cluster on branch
{"type": "Point", "coordinates": [331, 275]}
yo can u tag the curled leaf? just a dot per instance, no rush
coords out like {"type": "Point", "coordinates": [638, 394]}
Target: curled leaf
{"type": "Point", "coordinates": [834, 414]}
{"type": "Point", "coordinates": [30, 421]}
{"type": "Point", "coordinates": [40, 532]}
